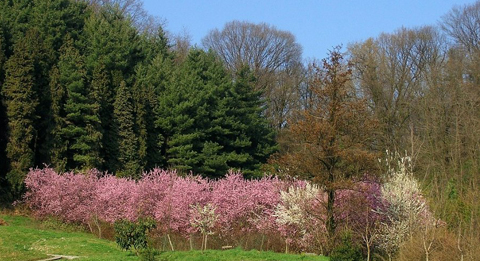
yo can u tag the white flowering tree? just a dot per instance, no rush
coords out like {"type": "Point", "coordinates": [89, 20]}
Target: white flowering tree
{"type": "Point", "coordinates": [406, 210]}
{"type": "Point", "coordinates": [204, 219]}
{"type": "Point", "coordinates": [299, 213]}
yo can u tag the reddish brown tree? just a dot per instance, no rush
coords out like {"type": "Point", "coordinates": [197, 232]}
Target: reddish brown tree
{"type": "Point", "coordinates": [333, 137]}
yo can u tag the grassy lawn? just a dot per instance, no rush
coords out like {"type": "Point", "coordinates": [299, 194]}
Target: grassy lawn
{"type": "Point", "coordinates": [26, 239]}
{"type": "Point", "coordinates": [236, 255]}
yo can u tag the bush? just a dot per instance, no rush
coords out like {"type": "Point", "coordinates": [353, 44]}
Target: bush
{"type": "Point", "coordinates": [133, 235]}
{"type": "Point", "coordinates": [147, 254]}
{"type": "Point", "coordinates": [346, 250]}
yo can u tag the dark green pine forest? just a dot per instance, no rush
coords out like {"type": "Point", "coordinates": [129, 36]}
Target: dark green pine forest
{"type": "Point", "coordinates": [85, 86]}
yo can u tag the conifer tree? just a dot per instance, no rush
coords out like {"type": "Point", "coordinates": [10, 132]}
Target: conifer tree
{"type": "Point", "coordinates": [333, 136]}
{"type": "Point", "coordinates": [111, 53]}
{"type": "Point", "coordinates": [21, 100]}
{"type": "Point", "coordinates": [57, 144]}
{"type": "Point", "coordinates": [129, 165]}
{"type": "Point", "coordinates": [81, 122]}
{"type": "Point", "coordinates": [184, 112]}
{"type": "Point", "coordinates": [4, 189]}
{"type": "Point", "coordinates": [151, 80]}
{"type": "Point", "coordinates": [103, 98]}
{"type": "Point", "coordinates": [208, 124]}
{"type": "Point", "coordinates": [247, 137]}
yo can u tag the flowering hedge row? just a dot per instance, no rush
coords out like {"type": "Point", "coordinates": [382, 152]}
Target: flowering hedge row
{"type": "Point", "coordinates": [269, 206]}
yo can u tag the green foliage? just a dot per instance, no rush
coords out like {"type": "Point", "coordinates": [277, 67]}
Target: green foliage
{"type": "Point", "coordinates": [148, 254]}
{"type": "Point", "coordinates": [81, 122]}
{"type": "Point", "coordinates": [57, 144]}
{"type": "Point", "coordinates": [151, 80]}
{"type": "Point", "coordinates": [111, 52]}
{"type": "Point", "coordinates": [126, 135]}
{"type": "Point", "coordinates": [21, 100]}
{"type": "Point", "coordinates": [133, 235]}
{"type": "Point", "coordinates": [4, 186]}
{"type": "Point", "coordinates": [208, 124]}
{"type": "Point", "coordinates": [346, 250]}
{"type": "Point", "coordinates": [249, 138]}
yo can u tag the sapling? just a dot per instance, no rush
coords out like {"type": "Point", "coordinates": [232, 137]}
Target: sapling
{"type": "Point", "coordinates": [204, 219]}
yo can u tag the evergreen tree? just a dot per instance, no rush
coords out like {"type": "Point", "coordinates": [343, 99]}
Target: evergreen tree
{"type": "Point", "coordinates": [4, 186]}
{"type": "Point", "coordinates": [52, 20]}
{"type": "Point", "coordinates": [111, 54]}
{"type": "Point", "coordinates": [55, 19]}
{"type": "Point", "coordinates": [21, 100]}
{"type": "Point", "coordinates": [129, 165]}
{"type": "Point", "coordinates": [57, 144]}
{"type": "Point", "coordinates": [247, 137]}
{"type": "Point", "coordinates": [151, 80]}
{"type": "Point", "coordinates": [81, 122]}
{"type": "Point", "coordinates": [208, 124]}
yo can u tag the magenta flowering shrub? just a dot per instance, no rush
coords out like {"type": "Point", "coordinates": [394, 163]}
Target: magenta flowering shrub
{"type": "Point", "coordinates": [176, 198]}
{"type": "Point", "coordinates": [293, 210]}
{"type": "Point", "coordinates": [68, 196]}
{"type": "Point", "coordinates": [244, 203]}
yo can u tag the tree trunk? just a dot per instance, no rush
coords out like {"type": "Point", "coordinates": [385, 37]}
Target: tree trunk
{"type": "Point", "coordinates": [330, 223]}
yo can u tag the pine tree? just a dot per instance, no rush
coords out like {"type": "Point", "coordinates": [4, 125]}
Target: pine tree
{"type": "Point", "coordinates": [151, 80]}
{"type": "Point", "coordinates": [247, 137]}
{"type": "Point", "coordinates": [81, 122]}
{"type": "Point", "coordinates": [129, 165]}
{"type": "Point", "coordinates": [103, 98]}
{"type": "Point", "coordinates": [4, 189]}
{"type": "Point", "coordinates": [111, 54]}
{"type": "Point", "coordinates": [57, 144]}
{"type": "Point", "coordinates": [183, 112]}
{"type": "Point", "coordinates": [208, 124]}
{"type": "Point", "coordinates": [21, 100]}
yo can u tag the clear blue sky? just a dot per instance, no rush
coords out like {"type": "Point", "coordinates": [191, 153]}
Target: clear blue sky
{"type": "Point", "coordinates": [318, 25]}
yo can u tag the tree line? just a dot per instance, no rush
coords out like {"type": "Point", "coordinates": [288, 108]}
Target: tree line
{"type": "Point", "coordinates": [84, 86]}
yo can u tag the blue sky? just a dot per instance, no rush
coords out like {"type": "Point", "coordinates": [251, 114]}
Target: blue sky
{"type": "Point", "coordinates": [318, 25]}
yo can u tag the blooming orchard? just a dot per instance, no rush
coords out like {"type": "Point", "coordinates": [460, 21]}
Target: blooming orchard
{"type": "Point", "coordinates": [186, 205]}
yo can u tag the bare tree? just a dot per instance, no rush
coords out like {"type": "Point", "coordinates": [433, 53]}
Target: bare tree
{"type": "Point", "coordinates": [392, 72]}
{"type": "Point", "coordinates": [272, 54]}
{"type": "Point", "coordinates": [463, 25]}
{"type": "Point", "coordinates": [134, 10]}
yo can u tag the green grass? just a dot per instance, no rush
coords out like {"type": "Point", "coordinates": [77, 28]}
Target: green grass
{"type": "Point", "coordinates": [26, 239]}
{"type": "Point", "coordinates": [236, 255]}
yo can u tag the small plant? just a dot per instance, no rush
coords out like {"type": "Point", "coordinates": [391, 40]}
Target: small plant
{"type": "Point", "coordinates": [133, 235]}
{"type": "Point", "coordinates": [147, 254]}
{"type": "Point", "coordinates": [347, 250]}
{"type": "Point", "coordinates": [204, 219]}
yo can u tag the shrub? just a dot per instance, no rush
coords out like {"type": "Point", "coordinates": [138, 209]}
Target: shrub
{"type": "Point", "coordinates": [147, 254]}
{"type": "Point", "coordinates": [346, 250]}
{"type": "Point", "coordinates": [133, 235]}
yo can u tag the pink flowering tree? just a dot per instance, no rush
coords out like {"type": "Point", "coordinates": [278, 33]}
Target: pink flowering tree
{"type": "Point", "coordinates": [243, 205]}
{"type": "Point", "coordinates": [66, 196]}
